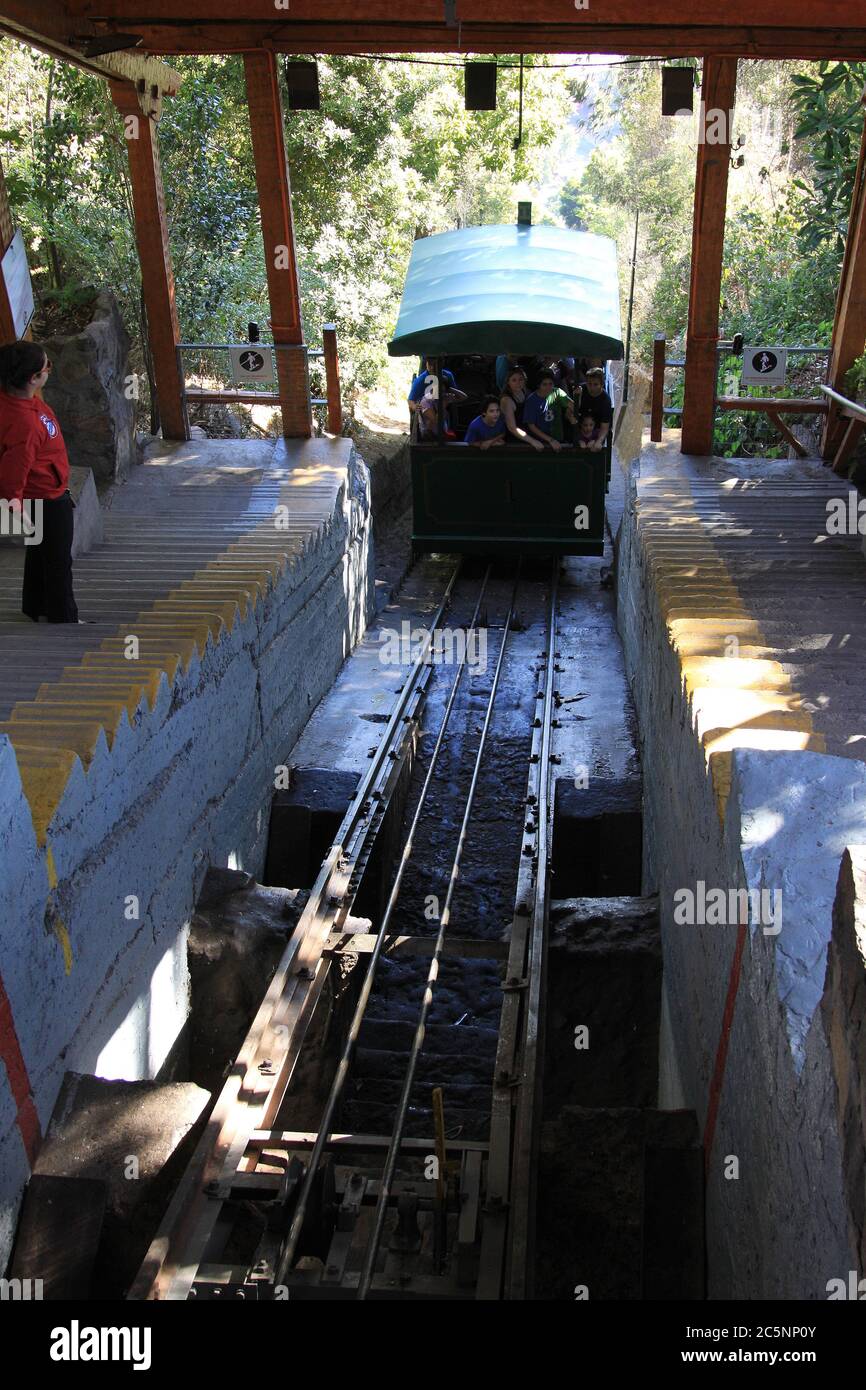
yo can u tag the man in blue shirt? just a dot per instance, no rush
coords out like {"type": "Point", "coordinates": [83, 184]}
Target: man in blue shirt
{"type": "Point", "coordinates": [488, 428]}
{"type": "Point", "coordinates": [422, 381]}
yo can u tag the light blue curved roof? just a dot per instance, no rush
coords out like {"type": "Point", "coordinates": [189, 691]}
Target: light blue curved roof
{"type": "Point", "coordinates": [511, 289]}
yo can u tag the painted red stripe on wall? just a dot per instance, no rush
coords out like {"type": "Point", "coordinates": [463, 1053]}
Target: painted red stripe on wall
{"type": "Point", "coordinates": [724, 1039]}
{"type": "Point", "coordinates": [19, 1081]}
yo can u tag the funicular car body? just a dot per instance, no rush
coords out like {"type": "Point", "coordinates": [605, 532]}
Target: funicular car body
{"type": "Point", "coordinates": [469, 296]}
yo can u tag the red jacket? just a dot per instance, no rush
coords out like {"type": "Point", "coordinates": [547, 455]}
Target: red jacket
{"type": "Point", "coordinates": [33, 458]}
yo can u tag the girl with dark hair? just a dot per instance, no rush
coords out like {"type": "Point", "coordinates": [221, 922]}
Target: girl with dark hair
{"type": "Point", "coordinates": [34, 467]}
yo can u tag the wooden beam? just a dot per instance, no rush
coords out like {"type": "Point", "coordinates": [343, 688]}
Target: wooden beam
{"type": "Point", "coordinates": [790, 439]}
{"type": "Point", "coordinates": [849, 325]}
{"type": "Point", "coordinates": [850, 439]}
{"type": "Point", "coordinates": [778, 14]}
{"type": "Point", "coordinates": [651, 40]}
{"type": "Point", "coordinates": [199, 395]}
{"type": "Point", "coordinates": [278, 235]}
{"type": "Point", "coordinates": [157, 276]}
{"type": "Point", "coordinates": [792, 405]}
{"type": "Point", "coordinates": [332, 379]}
{"type": "Point", "coordinates": [718, 91]}
{"type": "Point", "coordinates": [55, 30]}
{"type": "Point", "coordinates": [7, 232]}
{"type": "Point", "coordinates": [660, 349]}
{"type": "Point", "coordinates": [767, 28]}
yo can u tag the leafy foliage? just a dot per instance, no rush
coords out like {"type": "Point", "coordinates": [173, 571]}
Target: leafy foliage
{"type": "Point", "coordinates": [391, 155]}
{"type": "Point", "coordinates": [830, 111]}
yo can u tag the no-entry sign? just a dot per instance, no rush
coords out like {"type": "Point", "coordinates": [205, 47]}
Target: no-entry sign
{"type": "Point", "coordinates": [252, 362]}
{"type": "Point", "coordinates": [764, 366]}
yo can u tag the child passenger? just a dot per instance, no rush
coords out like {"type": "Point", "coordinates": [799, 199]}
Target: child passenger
{"type": "Point", "coordinates": [488, 428]}
{"type": "Point", "coordinates": [587, 432]}
{"type": "Point", "coordinates": [595, 401]}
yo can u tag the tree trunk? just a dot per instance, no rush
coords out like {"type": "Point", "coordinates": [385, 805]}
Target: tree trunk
{"type": "Point", "coordinates": [148, 366]}
{"type": "Point", "coordinates": [53, 251]}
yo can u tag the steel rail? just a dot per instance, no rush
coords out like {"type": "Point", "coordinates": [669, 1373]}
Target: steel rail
{"type": "Point", "coordinates": [523, 1181]}
{"type": "Point", "coordinates": [432, 976]}
{"type": "Point", "coordinates": [287, 1254]}
{"type": "Point", "coordinates": [513, 1079]}
{"type": "Point", "coordinates": [255, 1087]}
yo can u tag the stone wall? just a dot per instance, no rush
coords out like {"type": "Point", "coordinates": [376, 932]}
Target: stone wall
{"type": "Point", "coordinates": [844, 1010]}
{"type": "Point", "coordinates": [186, 783]}
{"type": "Point", "coordinates": [782, 1228]}
{"type": "Point", "coordinates": [88, 391]}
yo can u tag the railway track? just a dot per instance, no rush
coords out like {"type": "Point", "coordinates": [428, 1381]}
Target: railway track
{"type": "Point", "coordinates": [418, 1180]}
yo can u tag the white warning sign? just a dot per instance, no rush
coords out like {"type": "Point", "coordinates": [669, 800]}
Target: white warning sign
{"type": "Point", "coordinates": [252, 362]}
{"type": "Point", "coordinates": [764, 366]}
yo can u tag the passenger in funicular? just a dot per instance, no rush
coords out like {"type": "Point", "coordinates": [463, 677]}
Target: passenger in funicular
{"type": "Point", "coordinates": [565, 373]}
{"type": "Point", "coordinates": [545, 412]}
{"type": "Point", "coordinates": [587, 433]}
{"type": "Point", "coordinates": [511, 403]}
{"type": "Point", "coordinates": [503, 367]}
{"type": "Point", "coordinates": [595, 401]}
{"type": "Point", "coordinates": [487, 430]}
{"type": "Point", "coordinates": [422, 400]}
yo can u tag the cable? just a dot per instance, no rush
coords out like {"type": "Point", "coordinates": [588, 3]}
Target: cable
{"type": "Point", "coordinates": [447, 63]}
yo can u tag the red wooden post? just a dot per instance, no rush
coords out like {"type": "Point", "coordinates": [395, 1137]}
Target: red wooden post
{"type": "Point", "coordinates": [708, 238]}
{"type": "Point", "coordinates": [157, 276]}
{"type": "Point", "coordinates": [275, 201]}
{"type": "Point", "coordinates": [849, 327]}
{"type": "Point", "coordinates": [332, 379]}
{"type": "Point", "coordinates": [660, 348]}
{"type": "Point", "coordinates": [7, 232]}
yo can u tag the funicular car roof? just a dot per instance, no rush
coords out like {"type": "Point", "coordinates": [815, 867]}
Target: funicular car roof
{"type": "Point", "coordinates": [511, 289]}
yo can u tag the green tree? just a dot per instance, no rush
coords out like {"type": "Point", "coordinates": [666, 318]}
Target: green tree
{"type": "Point", "coordinates": [829, 105]}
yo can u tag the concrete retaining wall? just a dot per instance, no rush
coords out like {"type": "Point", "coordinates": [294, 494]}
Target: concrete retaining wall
{"type": "Point", "coordinates": [782, 1227]}
{"type": "Point", "coordinates": [95, 967]}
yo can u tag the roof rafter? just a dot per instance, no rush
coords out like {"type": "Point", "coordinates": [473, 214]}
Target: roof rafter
{"type": "Point", "coordinates": [747, 28]}
{"type": "Point", "coordinates": [54, 32]}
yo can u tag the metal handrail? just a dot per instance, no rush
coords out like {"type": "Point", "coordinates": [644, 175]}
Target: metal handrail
{"type": "Point", "coordinates": [224, 347]}
{"type": "Point", "coordinates": [849, 407]}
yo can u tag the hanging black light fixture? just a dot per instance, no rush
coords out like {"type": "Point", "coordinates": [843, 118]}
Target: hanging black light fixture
{"type": "Point", "coordinates": [678, 90]}
{"type": "Point", "coordinates": [480, 86]}
{"type": "Point", "coordinates": [302, 83]}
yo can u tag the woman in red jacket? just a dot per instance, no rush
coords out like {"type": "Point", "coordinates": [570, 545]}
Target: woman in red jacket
{"type": "Point", "coordinates": [34, 466]}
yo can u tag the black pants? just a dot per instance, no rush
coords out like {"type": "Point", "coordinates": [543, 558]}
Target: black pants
{"type": "Point", "coordinates": [48, 566]}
